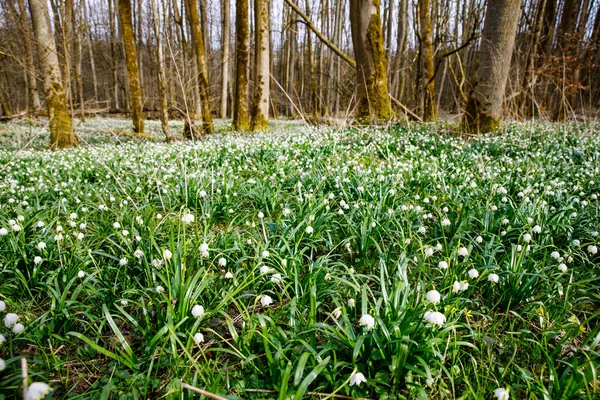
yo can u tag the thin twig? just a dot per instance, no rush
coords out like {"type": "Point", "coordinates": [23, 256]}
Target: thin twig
{"type": "Point", "coordinates": [202, 392]}
{"type": "Point", "coordinates": [330, 395]}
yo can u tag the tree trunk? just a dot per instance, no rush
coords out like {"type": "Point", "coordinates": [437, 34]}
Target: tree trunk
{"type": "Point", "coordinates": [61, 127]}
{"type": "Point", "coordinates": [428, 87]}
{"type": "Point", "coordinates": [194, 19]}
{"type": "Point", "coordinates": [240, 101]}
{"type": "Point", "coordinates": [113, 51]}
{"type": "Point", "coordinates": [34, 96]}
{"type": "Point", "coordinates": [260, 105]}
{"type": "Point", "coordinates": [367, 38]}
{"type": "Point", "coordinates": [225, 58]}
{"type": "Point", "coordinates": [88, 39]}
{"type": "Point", "coordinates": [291, 76]}
{"type": "Point", "coordinates": [78, 62]}
{"type": "Point", "coordinates": [133, 75]}
{"type": "Point", "coordinates": [484, 107]}
{"type": "Point", "coordinates": [162, 78]}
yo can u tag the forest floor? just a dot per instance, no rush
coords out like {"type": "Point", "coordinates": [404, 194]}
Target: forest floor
{"type": "Point", "coordinates": [400, 262]}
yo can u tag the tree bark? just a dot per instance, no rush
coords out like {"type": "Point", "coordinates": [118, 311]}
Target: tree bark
{"type": "Point", "coordinates": [61, 127]}
{"type": "Point", "coordinates": [133, 75]}
{"type": "Point", "coordinates": [162, 78]}
{"type": "Point", "coordinates": [207, 123]}
{"type": "Point", "coordinates": [225, 58]}
{"type": "Point", "coordinates": [428, 86]}
{"type": "Point", "coordinates": [373, 99]}
{"type": "Point", "coordinates": [240, 106]}
{"type": "Point", "coordinates": [484, 107]}
{"type": "Point", "coordinates": [260, 105]}
{"type": "Point", "coordinates": [34, 96]}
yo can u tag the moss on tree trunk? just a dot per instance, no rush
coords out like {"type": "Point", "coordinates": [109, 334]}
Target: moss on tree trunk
{"type": "Point", "coordinates": [373, 100]}
{"type": "Point", "coordinates": [133, 75]}
{"type": "Point", "coordinates": [240, 105]}
{"type": "Point", "coordinates": [260, 103]}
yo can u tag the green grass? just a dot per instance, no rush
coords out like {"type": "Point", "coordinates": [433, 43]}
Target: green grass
{"type": "Point", "coordinates": [330, 225]}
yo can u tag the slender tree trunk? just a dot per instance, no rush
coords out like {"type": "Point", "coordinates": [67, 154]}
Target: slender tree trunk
{"type": "Point", "coordinates": [78, 61]}
{"type": "Point", "coordinates": [61, 127]}
{"type": "Point", "coordinates": [428, 87]}
{"type": "Point", "coordinates": [291, 77]}
{"type": "Point", "coordinates": [260, 105]}
{"type": "Point", "coordinates": [133, 75]}
{"type": "Point", "coordinates": [373, 99]}
{"type": "Point", "coordinates": [240, 106]}
{"type": "Point", "coordinates": [207, 123]}
{"type": "Point", "coordinates": [225, 58]}
{"type": "Point", "coordinates": [88, 39]}
{"type": "Point", "coordinates": [162, 78]}
{"type": "Point", "coordinates": [484, 107]}
{"type": "Point", "coordinates": [34, 96]}
{"type": "Point", "coordinates": [113, 51]}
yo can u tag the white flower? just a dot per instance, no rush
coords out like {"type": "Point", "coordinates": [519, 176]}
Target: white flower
{"type": "Point", "coordinates": [222, 262]}
{"type": "Point", "coordinates": [116, 225]}
{"type": "Point", "coordinates": [188, 218]}
{"type": "Point", "coordinates": [265, 254]}
{"type": "Point", "coordinates": [459, 286]}
{"type": "Point", "coordinates": [160, 289]}
{"type": "Point", "coordinates": [595, 233]}
{"type": "Point", "coordinates": [2, 339]}
{"type": "Point", "coordinates": [479, 239]}
{"type": "Point", "coordinates": [264, 269]}
{"type": "Point", "coordinates": [261, 215]}
{"type": "Point", "coordinates": [501, 394]}
{"type": "Point", "coordinates": [198, 338]}
{"type": "Point", "coordinates": [367, 321]}
{"type": "Point", "coordinates": [18, 328]}
{"type": "Point", "coordinates": [123, 262]}
{"type": "Point", "coordinates": [37, 391]}
{"type": "Point", "coordinates": [555, 254]}
{"type": "Point", "coordinates": [473, 273]}
{"type": "Point", "coordinates": [537, 229]}
{"type": "Point", "coordinates": [286, 212]}
{"type": "Point", "coordinates": [422, 230]}
{"type": "Point", "coordinates": [351, 303]}
{"type": "Point", "coordinates": [309, 229]}
{"type": "Point", "coordinates": [592, 249]}
{"type": "Point", "coordinates": [576, 242]}
{"type": "Point", "coordinates": [505, 221]}
{"type": "Point", "coordinates": [265, 300]}
{"type": "Point", "coordinates": [202, 193]}
{"type": "Point", "coordinates": [446, 222]}
{"type": "Point", "coordinates": [463, 251]}
{"type": "Point", "coordinates": [40, 224]}
{"type": "Point", "coordinates": [2, 305]}
{"type": "Point", "coordinates": [3, 232]}
{"type": "Point", "coordinates": [167, 255]}
{"type": "Point", "coordinates": [228, 275]}
{"type": "Point", "coordinates": [81, 274]}
{"type": "Point", "coordinates": [433, 296]}
{"type": "Point", "coordinates": [562, 267]}
{"type": "Point", "coordinates": [125, 232]}
{"type": "Point", "coordinates": [527, 237]}
{"type": "Point", "coordinates": [37, 260]}
{"type": "Point", "coordinates": [337, 313]}
{"type": "Point", "coordinates": [10, 319]}
{"type": "Point", "coordinates": [124, 303]}
{"type": "Point", "coordinates": [41, 246]}
{"type": "Point", "coordinates": [435, 318]}
{"type": "Point", "coordinates": [276, 278]}
{"type": "Point", "coordinates": [2, 365]}
{"type": "Point", "coordinates": [197, 311]}
{"type": "Point", "coordinates": [138, 253]}
{"type": "Point", "coordinates": [17, 227]}
{"type": "Point", "coordinates": [203, 248]}
{"type": "Point", "coordinates": [357, 378]}
{"type": "Point", "coordinates": [494, 278]}
{"type": "Point", "coordinates": [443, 265]}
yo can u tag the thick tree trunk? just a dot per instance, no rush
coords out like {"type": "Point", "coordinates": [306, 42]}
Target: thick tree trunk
{"type": "Point", "coordinates": [367, 38]}
{"type": "Point", "coordinates": [428, 86]}
{"type": "Point", "coordinates": [161, 75]}
{"type": "Point", "coordinates": [240, 101]}
{"type": "Point", "coordinates": [260, 105]}
{"type": "Point", "coordinates": [194, 18]}
{"type": "Point", "coordinates": [484, 107]}
{"type": "Point", "coordinates": [133, 75]}
{"type": "Point", "coordinates": [34, 96]}
{"type": "Point", "coordinates": [225, 58]}
{"type": "Point", "coordinates": [61, 127]}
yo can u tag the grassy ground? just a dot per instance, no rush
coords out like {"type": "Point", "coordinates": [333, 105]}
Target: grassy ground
{"type": "Point", "coordinates": [393, 263]}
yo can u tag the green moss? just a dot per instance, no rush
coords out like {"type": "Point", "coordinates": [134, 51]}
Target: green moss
{"type": "Point", "coordinates": [61, 126]}
{"type": "Point", "coordinates": [475, 121]}
{"type": "Point", "coordinates": [376, 106]}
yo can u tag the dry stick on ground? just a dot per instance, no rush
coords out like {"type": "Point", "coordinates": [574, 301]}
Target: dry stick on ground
{"type": "Point", "coordinates": [328, 395]}
{"type": "Point", "coordinates": [340, 53]}
{"type": "Point", "coordinates": [202, 392]}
